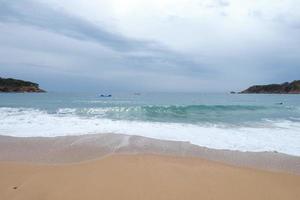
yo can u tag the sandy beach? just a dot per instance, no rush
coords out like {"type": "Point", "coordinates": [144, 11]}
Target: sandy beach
{"type": "Point", "coordinates": [109, 166]}
{"type": "Point", "coordinates": [149, 100]}
{"type": "Point", "coordinates": [144, 177]}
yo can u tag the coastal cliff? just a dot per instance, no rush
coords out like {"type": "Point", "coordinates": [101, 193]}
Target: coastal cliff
{"type": "Point", "coordinates": [285, 88]}
{"type": "Point", "coordinates": [14, 85]}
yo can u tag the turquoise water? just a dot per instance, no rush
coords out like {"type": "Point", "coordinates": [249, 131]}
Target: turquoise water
{"type": "Point", "coordinates": [239, 121]}
{"type": "Point", "coordinates": [183, 108]}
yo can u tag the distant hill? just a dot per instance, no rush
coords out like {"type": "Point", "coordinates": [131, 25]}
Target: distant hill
{"type": "Point", "coordinates": [14, 85]}
{"type": "Point", "coordinates": [285, 88]}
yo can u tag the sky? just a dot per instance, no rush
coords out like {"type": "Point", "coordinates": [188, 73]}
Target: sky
{"type": "Point", "coordinates": [153, 46]}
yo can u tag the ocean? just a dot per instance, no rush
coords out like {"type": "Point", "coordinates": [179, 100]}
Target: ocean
{"type": "Point", "coordinates": [244, 122]}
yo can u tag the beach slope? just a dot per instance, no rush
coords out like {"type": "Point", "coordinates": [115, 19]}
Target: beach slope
{"type": "Point", "coordinates": [143, 177]}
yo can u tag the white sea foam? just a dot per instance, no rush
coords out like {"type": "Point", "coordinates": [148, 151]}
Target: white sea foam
{"type": "Point", "coordinates": [282, 136]}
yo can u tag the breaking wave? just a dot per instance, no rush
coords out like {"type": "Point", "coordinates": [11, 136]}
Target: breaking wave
{"type": "Point", "coordinates": [281, 135]}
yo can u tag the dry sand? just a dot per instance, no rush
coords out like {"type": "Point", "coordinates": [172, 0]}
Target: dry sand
{"type": "Point", "coordinates": [110, 166]}
{"type": "Point", "coordinates": [144, 177]}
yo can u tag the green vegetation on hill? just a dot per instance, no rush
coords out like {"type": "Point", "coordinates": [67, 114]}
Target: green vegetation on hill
{"type": "Point", "coordinates": [285, 88]}
{"type": "Point", "coordinates": [15, 85]}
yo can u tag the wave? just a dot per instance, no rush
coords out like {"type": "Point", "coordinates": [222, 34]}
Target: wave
{"type": "Point", "coordinates": [183, 108]}
{"type": "Point", "coordinates": [269, 135]}
{"type": "Point", "coordinates": [181, 113]}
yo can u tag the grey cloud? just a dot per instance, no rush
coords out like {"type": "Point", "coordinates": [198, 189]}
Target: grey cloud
{"type": "Point", "coordinates": [38, 15]}
{"type": "Point", "coordinates": [45, 56]}
{"type": "Point", "coordinates": [55, 48]}
{"type": "Point", "coordinates": [29, 12]}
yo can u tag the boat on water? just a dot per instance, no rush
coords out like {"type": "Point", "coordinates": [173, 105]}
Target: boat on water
{"type": "Point", "coordinates": [105, 95]}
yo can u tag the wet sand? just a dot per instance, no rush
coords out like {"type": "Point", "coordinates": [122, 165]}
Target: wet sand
{"type": "Point", "coordinates": [74, 149]}
{"type": "Point", "coordinates": [110, 166]}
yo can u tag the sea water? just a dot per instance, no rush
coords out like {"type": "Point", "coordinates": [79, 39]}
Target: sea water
{"type": "Point", "coordinates": [241, 122]}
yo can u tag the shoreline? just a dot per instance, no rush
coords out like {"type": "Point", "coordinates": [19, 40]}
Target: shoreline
{"type": "Point", "coordinates": [84, 148]}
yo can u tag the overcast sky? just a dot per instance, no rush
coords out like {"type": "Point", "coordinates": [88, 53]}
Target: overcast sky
{"type": "Point", "coordinates": [150, 45]}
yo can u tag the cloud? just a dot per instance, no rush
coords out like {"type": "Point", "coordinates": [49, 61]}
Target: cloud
{"type": "Point", "coordinates": [68, 46]}
{"type": "Point", "coordinates": [170, 45]}
{"type": "Point", "coordinates": [32, 13]}
{"type": "Point", "coordinates": [38, 15]}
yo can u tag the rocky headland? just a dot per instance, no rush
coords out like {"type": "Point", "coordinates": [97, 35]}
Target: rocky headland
{"type": "Point", "coordinates": [15, 85]}
{"type": "Point", "coordinates": [284, 88]}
